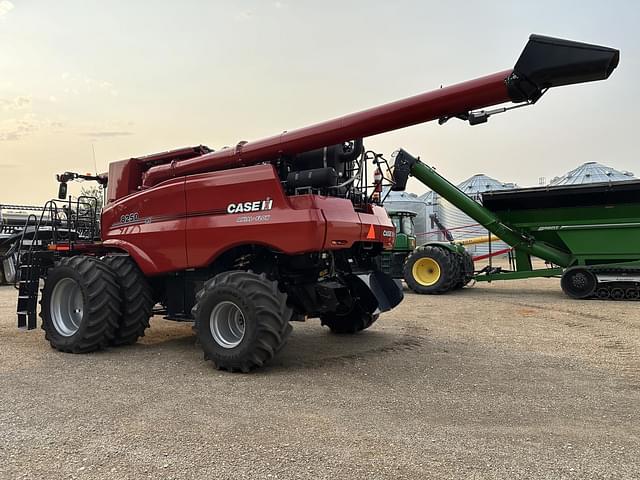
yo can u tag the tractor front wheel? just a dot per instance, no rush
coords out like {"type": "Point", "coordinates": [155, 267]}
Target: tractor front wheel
{"type": "Point", "coordinates": [242, 320]}
{"type": "Point", "coordinates": [432, 270]}
{"type": "Point", "coordinates": [80, 305]}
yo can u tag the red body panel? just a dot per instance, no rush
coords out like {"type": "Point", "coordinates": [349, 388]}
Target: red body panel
{"type": "Point", "coordinates": [185, 222]}
{"type": "Point", "coordinates": [150, 226]}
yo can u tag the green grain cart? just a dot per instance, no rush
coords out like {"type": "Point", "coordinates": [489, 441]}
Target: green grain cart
{"type": "Point", "coordinates": [588, 234]}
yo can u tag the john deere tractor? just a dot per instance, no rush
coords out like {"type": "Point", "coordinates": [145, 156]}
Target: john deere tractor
{"type": "Point", "coordinates": [432, 268]}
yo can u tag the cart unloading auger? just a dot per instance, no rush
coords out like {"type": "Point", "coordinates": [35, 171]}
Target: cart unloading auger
{"type": "Point", "coordinates": [243, 240]}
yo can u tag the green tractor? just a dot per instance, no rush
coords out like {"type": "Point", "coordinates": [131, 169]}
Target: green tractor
{"type": "Point", "coordinates": [432, 268]}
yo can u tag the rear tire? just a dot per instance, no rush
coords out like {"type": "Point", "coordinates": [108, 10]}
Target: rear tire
{"type": "Point", "coordinates": [242, 320]}
{"type": "Point", "coordinates": [137, 300]}
{"type": "Point", "coordinates": [467, 269]}
{"type": "Point", "coordinates": [432, 270]}
{"type": "Point", "coordinates": [80, 305]}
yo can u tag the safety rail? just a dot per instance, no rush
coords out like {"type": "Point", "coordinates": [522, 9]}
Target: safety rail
{"type": "Point", "coordinates": [64, 223]}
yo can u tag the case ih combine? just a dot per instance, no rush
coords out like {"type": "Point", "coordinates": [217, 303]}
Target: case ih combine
{"type": "Point", "coordinates": [243, 240]}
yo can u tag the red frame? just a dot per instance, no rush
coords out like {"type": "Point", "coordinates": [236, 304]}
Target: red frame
{"type": "Point", "coordinates": [183, 222]}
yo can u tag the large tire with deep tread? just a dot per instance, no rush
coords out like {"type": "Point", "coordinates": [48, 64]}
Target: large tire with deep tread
{"type": "Point", "coordinates": [265, 317]}
{"type": "Point", "coordinates": [100, 304]}
{"type": "Point", "coordinates": [467, 269]}
{"type": "Point", "coordinates": [137, 300]}
{"type": "Point", "coordinates": [353, 322]}
{"type": "Point", "coordinates": [440, 279]}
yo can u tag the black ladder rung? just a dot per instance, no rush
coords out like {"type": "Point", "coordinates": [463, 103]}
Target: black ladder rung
{"type": "Point", "coordinates": [27, 320]}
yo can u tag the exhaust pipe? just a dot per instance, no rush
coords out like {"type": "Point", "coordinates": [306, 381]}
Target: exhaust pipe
{"type": "Point", "coordinates": [548, 62]}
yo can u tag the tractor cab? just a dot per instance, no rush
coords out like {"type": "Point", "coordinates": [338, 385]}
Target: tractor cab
{"type": "Point", "coordinates": [405, 230]}
{"type": "Point", "coordinates": [392, 261]}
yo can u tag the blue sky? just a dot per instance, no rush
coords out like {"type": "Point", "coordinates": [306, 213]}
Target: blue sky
{"type": "Point", "coordinates": [136, 77]}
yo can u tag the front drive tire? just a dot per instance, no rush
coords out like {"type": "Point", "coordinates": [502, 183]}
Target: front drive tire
{"type": "Point", "coordinates": [137, 300]}
{"type": "Point", "coordinates": [241, 319]}
{"type": "Point", "coordinates": [80, 305]}
{"type": "Point", "coordinates": [432, 270]}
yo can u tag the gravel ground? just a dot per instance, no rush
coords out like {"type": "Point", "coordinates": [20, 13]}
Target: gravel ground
{"type": "Point", "coordinates": [508, 380]}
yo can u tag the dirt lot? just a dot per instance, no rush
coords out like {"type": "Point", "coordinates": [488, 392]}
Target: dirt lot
{"type": "Point", "coordinates": [505, 381]}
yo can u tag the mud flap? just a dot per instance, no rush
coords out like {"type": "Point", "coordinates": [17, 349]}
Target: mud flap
{"type": "Point", "coordinates": [376, 291]}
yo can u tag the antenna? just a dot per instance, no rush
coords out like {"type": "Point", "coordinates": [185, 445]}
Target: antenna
{"type": "Point", "coordinates": [95, 165]}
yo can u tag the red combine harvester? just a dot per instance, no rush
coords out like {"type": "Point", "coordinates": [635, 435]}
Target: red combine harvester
{"type": "Point", "coordinates": [244, 240]}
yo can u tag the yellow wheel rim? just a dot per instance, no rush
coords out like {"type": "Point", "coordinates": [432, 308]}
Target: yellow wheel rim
{"type": "Point", "coordinates": [426, 271]}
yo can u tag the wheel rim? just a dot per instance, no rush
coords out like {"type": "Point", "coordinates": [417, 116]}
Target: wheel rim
{"type": "Point", "coordinates": [426, 271]}
{"type": "Point", "coordinates": [579, 283]}
{"type": "Point", "coordinates": [227, 325]}
{"type": "Point", "coordinates": [67, 307]}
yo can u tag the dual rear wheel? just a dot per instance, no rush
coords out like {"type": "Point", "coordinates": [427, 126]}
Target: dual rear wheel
{"type": "Point", "coordinates": [88, 303]}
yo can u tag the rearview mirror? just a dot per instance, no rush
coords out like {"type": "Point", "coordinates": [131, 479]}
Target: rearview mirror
{"type": "Point", "coordinates": [62, 191]}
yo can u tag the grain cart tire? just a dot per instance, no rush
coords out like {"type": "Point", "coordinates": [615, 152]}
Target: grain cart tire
{"type": "Point", "coordinates": [353, 322]}
{"type": "Point", "coordinates": [467, 268]}
{"type": "Point", "coordinates": [80, 305]}
{"type": "Point", "coordinates": [137, 300]}
{"type": "Point", "coordinates": [242, 320]}
{"type": "Point", "coordinates": [578, 283]}
{"type": "Point", "coordinates": [432, 270]}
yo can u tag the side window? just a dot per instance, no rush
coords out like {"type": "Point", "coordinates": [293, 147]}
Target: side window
{"type": "Point", "coordinates": [407, 225]}
{"type": "Point", "coordinates": [396, 223]}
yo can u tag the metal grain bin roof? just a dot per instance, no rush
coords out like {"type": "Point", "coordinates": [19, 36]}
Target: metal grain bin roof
{"type": "Point", "coordinates": [591, 172]}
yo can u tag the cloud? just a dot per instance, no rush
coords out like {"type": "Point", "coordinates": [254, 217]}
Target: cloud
{"type": "Point", "coordinates": [107, 133]}
{"type": "Point", "coordinates": [77, 84]}
{"type": "Point", "coordinates": [13, 129]}
{"type": "Point", "coordinates": [5, 7]}
{"type": "Point", "coordinates": [20, 102]}
{"type": "Point", "coordinates": [16, 128]}
{"type": "Point", "coordinates": [244, 15]}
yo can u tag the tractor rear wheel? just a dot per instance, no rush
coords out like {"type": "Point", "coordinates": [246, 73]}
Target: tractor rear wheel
{"type": "Point", "coordinates": [432, 270]}
{"type": "Point", "coordinates": [137, 300]}
{"type": "Point", "coordinates": [242, 320]}
{"type": "Point", "coordinates": [353, 322]}
{"type": "Point", "coordinates": [467, 268]}
{"type": "Point", "coordinates": [80, 305]}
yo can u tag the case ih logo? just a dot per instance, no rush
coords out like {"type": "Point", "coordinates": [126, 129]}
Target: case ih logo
{"type": "Point", "coordinates": [244, 207]}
